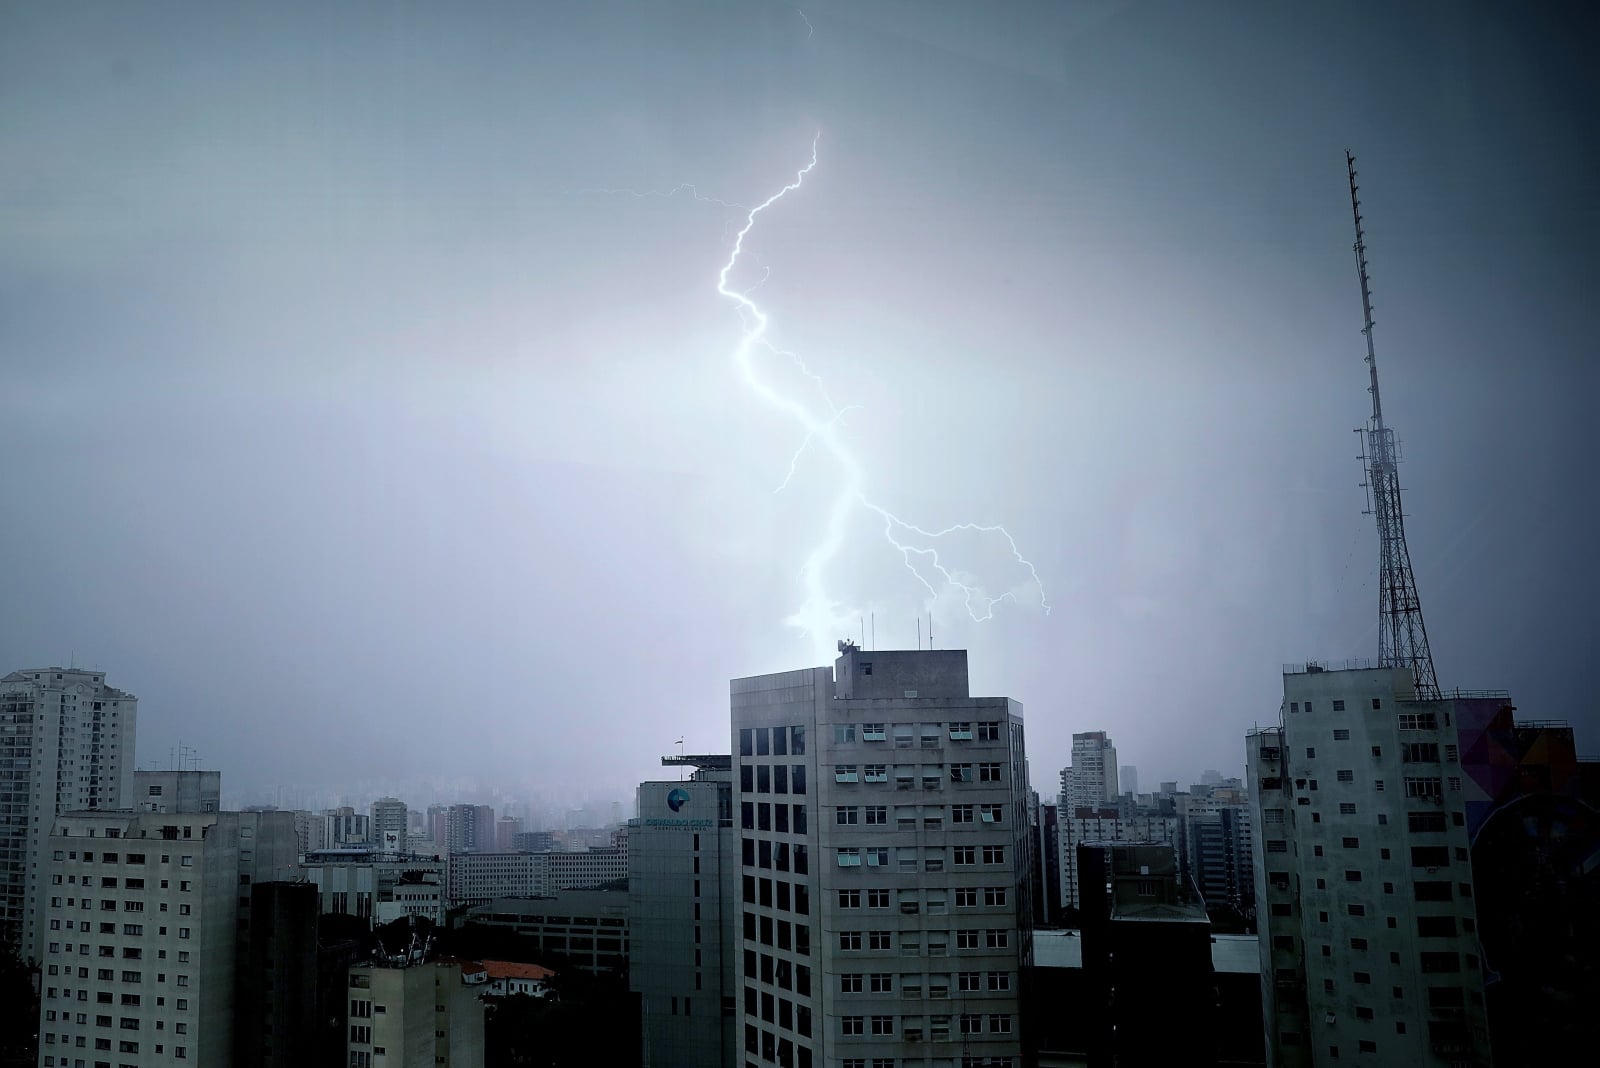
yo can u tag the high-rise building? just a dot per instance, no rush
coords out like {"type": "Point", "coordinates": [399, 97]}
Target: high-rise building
{"type": "Point", "coordinates": [1364, 891]}
{"type": "Point", "coordinates": [1128, 779]}
{"type": "Point", "coordinates": [469, 829]}
{"type": "Point", "coordinates": [1092, 783]}
{"type": "Point", "coordinates": [506, 829]}
{"type": "Point", "coordinates": [389, 827]}
{"type": "Point", "coordinates": [884, 890]}
{"type": "Point", "coordinates": [682, 886]}
{"type": "Point", "coordinates": [67, 743]}
{"type": "Point", "coordinates": [148, 923]}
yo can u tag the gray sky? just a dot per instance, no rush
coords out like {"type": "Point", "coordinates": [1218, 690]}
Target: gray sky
{"type": "Point", "coordinates": [356, 429]}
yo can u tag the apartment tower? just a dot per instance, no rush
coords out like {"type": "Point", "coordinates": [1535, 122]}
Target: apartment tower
{"type": "Point", "coordinates": [884, 883]}
{"type": "Point", "coordinates": [66, 744]}
{"type": "Point", "coordinates": [1364, 891]}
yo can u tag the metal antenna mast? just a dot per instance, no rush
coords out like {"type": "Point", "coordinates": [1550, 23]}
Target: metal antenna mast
{"type": "Point", "coordinates": [1402, 636]}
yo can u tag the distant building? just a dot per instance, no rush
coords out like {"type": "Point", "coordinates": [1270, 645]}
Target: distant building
{"type": "Point", "coordinates": [683, 921]}
{"type": "Point", "coordinates": [469, 829]}
{"type": "Point", "coordinates": [377, 887]}
{"type": "Point", "coordinates": [1077, 830]}
{"type": "Point", "coordinates": [172, 931]}
{"type": "Point", "coordinates": [506, 829]}
{"type": "Point", "coordinates": [1047, 868]}
{"type": "Point", "coordinates": [1090, 784]}
{"type": "Point", "coordinates": [345, 827]}
{"type": "Point", "coordinates": [1219, 845]}
{"type": "Point", "coordinates": [68, 742]}
{"type": "Point", "coordinates": [1365, 899]}
{"type": "Point", "coordinates": [414, 1017]}
{"type": "Point", "coordinates": [479, 877]}
{"type": "Point", "coordinates": [1128, 779]}
{"type": "Point", "coordinates": [507, 979]}
{"type": "Point", "coordinates": [588, 927]}
{"type": "Point", "coordinates": [390, 826]}
{"type": "Point", "coordinates": [533, 842]}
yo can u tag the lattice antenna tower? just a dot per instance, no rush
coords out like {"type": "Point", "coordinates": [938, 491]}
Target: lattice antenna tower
{"type": "Point", "coordinates": [1402, 636]}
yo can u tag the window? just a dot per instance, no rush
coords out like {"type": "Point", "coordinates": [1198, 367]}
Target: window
{"type": "Point", "coordinates": [852, 1025]}
{"type": "Point", "coordinates": [849, 940]}
{"type": "Point", "coordinates": [846, 816]}
{"type": "Point", "coordinates": [880, 983]}
{"type": "Point", "coordinates": [994, 896]}
{"type": "Point", "coordinates": [992, 813]}
{"type": "Point", "coordinates": [1430, 856]}
{"type": "Point", "coordinates": [873, 732]}
{"type": "Point", "coordinates": [1311, 752]}
{"type": "Point", "coordinates": [962, 813]}
{"type": "Point", "coordinates": [989, 732]}
{"type": "Point", "coordinates": [1358, 943]}
{"type": "Point", "coordinates": [1347, 808]}
{"type": "Point", "coordinates": [850, 983]}
{"type": "Point", "coordinates": [966, 897]}
{"type": "Point", "coordinates": [969, 981]}
{"type": "Point", "coordinates": [877, 899]}
{"type": "Point", "coordinates": [989, 772]}
{"type": "Point", "coordinates": [1351, 843]}
{"type": "Point", "coordinates": [960, 772]}
{"type": "Point", "coordinates": [1419, 752]}
{"type": "Point", "coordinates": [999, 980]}
{"type": "Point", "coordinates": [882, 1025]}
{"type": "Point", "coordinates": [1341, 735]}
{"type": "Point", "coordinates": [967, 939]}
{"type": "Point", "coordinates": [877, 815]}
{"type": "Point", "coordinates": [1346, 775]}
{"type": "Point", "coordinates": [1423, 786]}
{"type": "Point", "coordinates": [966, 854]}
{"type": "Point", "coordinates": [994, 854]}
{"type": "Point", "coordinates": [999, 1023]}
{"type": "Point", "coordinates": [961, 732]}
{"type": "Point", "coordinates": [876, 773]}
{"type": "Point", "coordinates": [844, 733]}
{"type": "Point", "coordinates": [1418, 721]}
{"type": "Point", "coordinates": [997, 939]}
{"type": "Point", "coordinates": [880, 940]}
{"type": "Point", "coordinates": [844, 773]}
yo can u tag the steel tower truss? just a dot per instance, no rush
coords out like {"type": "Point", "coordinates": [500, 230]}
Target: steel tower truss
{"type": "Point", "coordinates": [1402, 635]}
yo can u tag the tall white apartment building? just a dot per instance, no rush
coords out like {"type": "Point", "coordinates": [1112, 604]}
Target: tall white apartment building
{"type": "Point", "coordinates": [147, 920]}
{"type": "Point", "coordinates": [884, 873]}
{"type": "Point", "coordinates": [1364, 890]}
{"type": "Point", "coordinates": [66, 743]}
{"type": "Point", "coordinates": [1090, 783]}
{"type": "Point", "coordinates": [389, 830]}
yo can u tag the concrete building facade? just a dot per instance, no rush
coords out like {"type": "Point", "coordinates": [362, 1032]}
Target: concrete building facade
{"type": "Point", "coordinates": [1364, 890]}
{"type": "Point", "coordinates": [377, 887]}
{"type": "Point", "coordinates": [416, 1016]}
{"type": "Point", "coordinates": [148, 924]}
{"type": "Point", "coordinates": [589, 927]}
{"type": "Point", "coordinates": [1078, 830]}
{"type": "Point", "coordinates": [66, 744]}
{"type": "Point", "coordinates": [1089, 784]}
{"type": "Point", "coordinates": [390, 827]}
{"type": "Point", "coordinates": [884, 885]}
{"type": "Point", "coordinates": [682, 884]}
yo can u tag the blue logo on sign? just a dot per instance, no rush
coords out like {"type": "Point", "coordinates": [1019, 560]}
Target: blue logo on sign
{"type": "Point", "coordinates": [677, 799]}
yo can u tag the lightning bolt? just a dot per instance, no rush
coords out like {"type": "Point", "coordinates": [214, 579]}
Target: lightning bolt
{"type": "Point", "coordinates": [819, 615]}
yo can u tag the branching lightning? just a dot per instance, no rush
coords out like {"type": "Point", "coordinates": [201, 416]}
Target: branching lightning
{"type": "Point", "coordinates": [820, 615]}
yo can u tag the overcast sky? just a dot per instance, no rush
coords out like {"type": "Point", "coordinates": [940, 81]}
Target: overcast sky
{"type": "Point", "coordinates": [359, 420]}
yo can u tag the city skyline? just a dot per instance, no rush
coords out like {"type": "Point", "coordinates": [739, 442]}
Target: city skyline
{"type": "Point", "coordinates": [333, 364]}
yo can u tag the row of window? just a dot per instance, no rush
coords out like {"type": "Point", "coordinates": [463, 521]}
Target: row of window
{"type": "Point", "coordinates": [970, 1023]}
{"type": "Point", "coordinates": [908, 734]}
{"type": "Point", "coordinates": [772, 778]}
{"type": "Point", "coordinates": [966, 897]}
{"type": "Point", "coordinates": [769, 816]}
{"type": "Point", "coordinates": [911, 942]}
{"type": "Point", "coordinates": [1338, 706]}
{"type": "Point", "coordinates": [772, 741]}
{"type": "Point", "coordinates": [779, 856]}
{"type": "Point", "coordinates": [907, 773]}
{"type": "Point", "coordinates": [906, 816]}
{"type": "Point", "coordinates": [67, 994]}
{"type": "Point", "coordinates": [109, 905]}
{"type": "Point", "coordinates": [924, 858]}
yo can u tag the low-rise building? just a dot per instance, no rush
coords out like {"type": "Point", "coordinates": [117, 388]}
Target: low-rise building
{"type": "Point", "coordinates": [588, 927]}
{"type": "Point", "coordinates": [378, 887]}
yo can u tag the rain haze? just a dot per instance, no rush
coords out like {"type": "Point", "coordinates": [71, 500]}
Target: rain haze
{"type": "Point", "coordinates": [372, 412]}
